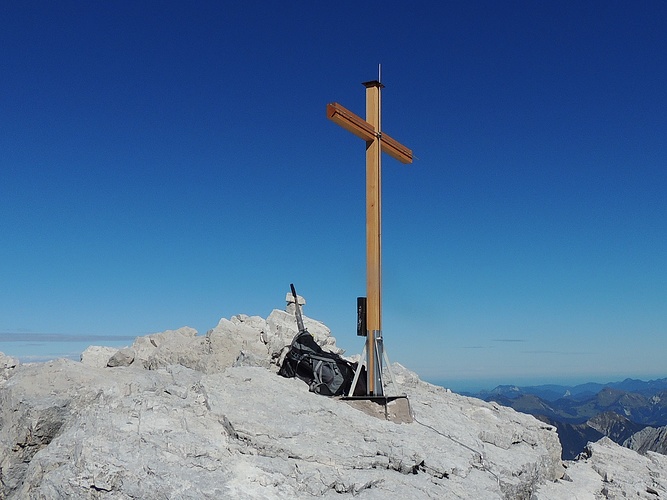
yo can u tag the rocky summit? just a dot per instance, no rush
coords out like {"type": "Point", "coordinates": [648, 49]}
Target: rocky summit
{"type": "Point", "coordinates": [182, 415]}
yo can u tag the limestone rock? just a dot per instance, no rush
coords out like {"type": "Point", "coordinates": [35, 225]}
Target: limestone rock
{"type": "Point", "coordinates": [181, 346]}
{"type": "Point", "coordinates": [122, 357]}
{"type": "Point", "coordinates": [403, 376]}
{"type": "Point", "coordinates": [202, 417]}
{"type": "Point", "coordinates": [240, 340]}
{"type": "Point", "coordinates": [71, 430]}
{"type": "Point", "coordinates": [291, 303]}
{"type": "Point", "coordinates": [607, 470]}
{"type": "Point", "coordinates": [7, 366]}
{"type": "Point", "coordinates": [648, 439]}
{"type": "Point", "coordinates": [232, 337]}
{"type": "Point", "coordinates": [97, 356]}
{"type": "Point", "coordinates": [250, 359]}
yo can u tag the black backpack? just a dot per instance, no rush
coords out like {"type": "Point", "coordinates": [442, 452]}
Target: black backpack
{"type": "Point", "coordinates": [325, 373]}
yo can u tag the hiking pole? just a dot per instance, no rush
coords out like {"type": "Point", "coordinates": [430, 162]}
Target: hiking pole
{"type": "Point", "coordinates": [297, 310]}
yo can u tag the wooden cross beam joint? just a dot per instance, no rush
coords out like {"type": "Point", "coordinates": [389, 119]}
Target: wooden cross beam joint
{"type": "Point", "coordinates": [364, 130]}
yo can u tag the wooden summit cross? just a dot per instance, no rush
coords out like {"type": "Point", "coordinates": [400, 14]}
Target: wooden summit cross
{"type": "Point", "coordinates": [376, 142]}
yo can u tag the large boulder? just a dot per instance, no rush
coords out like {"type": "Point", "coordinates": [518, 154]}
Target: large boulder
{"type": "Point", "coordinates": [123, 357]}
{"type": "Point", "coordinates": [97, 356]}
{"type": "Point", "coordinates": [7, 366]}
{"type": "Point", "coordinates": [608, 470]}
{"type": "Point", "coordinates": [241, 336]}
{"type": "Point", "coordinates": [181, 346]}
{"type": "Point", "coordinates": [241, 340]}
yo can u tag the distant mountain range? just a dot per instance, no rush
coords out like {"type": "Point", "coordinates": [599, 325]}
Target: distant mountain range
{"type": "Point", "coordinates": [553, 392]}
{"type": "Point", "coordinates": [632, 413]}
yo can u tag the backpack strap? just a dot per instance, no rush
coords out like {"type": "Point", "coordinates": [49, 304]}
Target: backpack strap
{"type": "Point", "coordinates": [317, 371]}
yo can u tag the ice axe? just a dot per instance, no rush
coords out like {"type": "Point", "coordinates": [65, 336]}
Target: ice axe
{"type": "Point", "coordinates": [297, 310]}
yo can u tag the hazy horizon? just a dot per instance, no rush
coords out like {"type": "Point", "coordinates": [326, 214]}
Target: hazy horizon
{"type": "Point", "coordinates": [36, 348]}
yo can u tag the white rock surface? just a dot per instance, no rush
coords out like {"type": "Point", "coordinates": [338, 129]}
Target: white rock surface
{"type": "Point", "coordinates": [97, 356]}
{"type": "Point", "coordinates": [7, 366]}
{"type": "Point", "coordinates": [607, 470]}
{"type": "Point", "coordinates": [208, 417]}
{"type": "Point", "coordinates": [71, 430]}
{"type": "Point", "coordinates": [648, 439]}
{"type": "Point", "coordinates": [123, 357]}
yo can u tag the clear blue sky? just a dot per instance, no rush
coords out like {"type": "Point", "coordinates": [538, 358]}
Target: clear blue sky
{"type": "Point", "coordinates": [170, 163]}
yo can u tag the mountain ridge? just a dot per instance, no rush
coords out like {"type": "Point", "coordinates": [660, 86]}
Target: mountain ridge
{"type": "Point", "coordinates": [631, 412]}
{"type": "Point", "coordinates": [552, 392]}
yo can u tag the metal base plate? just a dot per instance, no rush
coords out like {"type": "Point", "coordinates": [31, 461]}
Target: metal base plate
{"type": "Point", "coordinates": [393, 408]}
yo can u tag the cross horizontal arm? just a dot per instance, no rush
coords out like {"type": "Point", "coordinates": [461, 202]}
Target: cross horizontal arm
{"type": "Point", "coordinates": [350, 121]}
{"type": "Point", "coordinates": [361, 128]}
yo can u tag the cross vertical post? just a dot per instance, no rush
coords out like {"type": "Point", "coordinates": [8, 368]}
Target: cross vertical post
{"type": "Point", "coordinates": [373, 239]}
{"type": "Point", "coordinates": [376, 143]}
